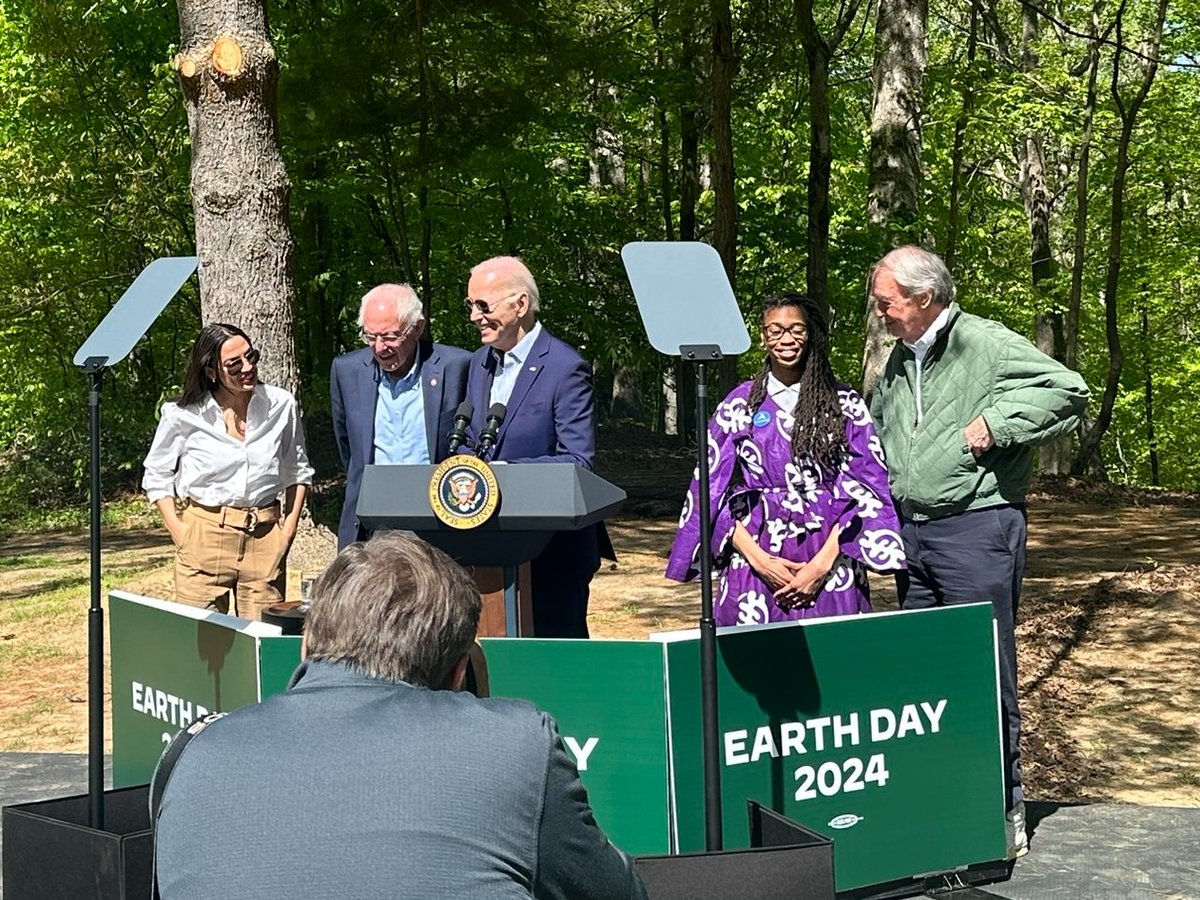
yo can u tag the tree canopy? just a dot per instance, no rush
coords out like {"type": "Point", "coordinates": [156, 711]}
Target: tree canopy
{"type": "Point", "coordinates": [421, 138]}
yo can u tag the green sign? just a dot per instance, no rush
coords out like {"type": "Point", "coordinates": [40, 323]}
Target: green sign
{"type": "Point", "coordinates": [609, 700]}
{"type": "Point", "coordinates": [881, 732]}
{"type": "Point", "coordinates": [173, 664]}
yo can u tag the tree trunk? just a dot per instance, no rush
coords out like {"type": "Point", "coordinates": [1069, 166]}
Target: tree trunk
{"type": "Point", "coordinates": [1090, 444]}
{"type": "Point", "coordinates": [960, 134]}
{"type": "Point", "coordinates": [1054, 457]}
{"type": "Point", "coordinates": [725, 224]}
{"type": "Point", "coordinates": [689, 197]}
{"type": "Point", "coordinates": [820, 163]}
{"type": "Point", "coordinates": [1148, 380]}
{"type": "Point", "coordinates": [1075, 300]}
{"type": "Point", "coordinates": [819, 51]}
{"type": "Point", "coordinates": [664, 131]}
{"type": "Point", "coordinates": [897, 79]}
{"type": "Point", "coordinates": [320, 339]}
{"type": "Point", "coordinates": [606, 161]}
{"type": "Point", "coordinates": [893, 192]}
{"type": "Point", "coordinates": [229, 73]}
{"type": "Point", "coordinates": [426, 96]}
{"type": "Point", "coordinates": [627, 395]}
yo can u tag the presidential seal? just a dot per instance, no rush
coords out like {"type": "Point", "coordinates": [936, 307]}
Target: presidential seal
{"type": "Point", "coordinates": [463, 492]}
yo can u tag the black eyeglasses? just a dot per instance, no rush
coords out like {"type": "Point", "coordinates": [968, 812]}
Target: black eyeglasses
{"type": "Point", "coordinates": [775, 333]}
{"type": "Point", "coordinates": [235, 366]}
{"type": "Point", "coordinates": [486, 307]}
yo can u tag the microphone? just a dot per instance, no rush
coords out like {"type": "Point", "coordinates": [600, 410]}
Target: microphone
{"type": "Point", "coordinates": [462, 421]}
{"type": "Point", "coordinates": [491, 428]}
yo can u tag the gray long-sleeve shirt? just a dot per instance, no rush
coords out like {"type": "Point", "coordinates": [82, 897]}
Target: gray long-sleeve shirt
{"type": "Point", "coordinates": [350, 786]}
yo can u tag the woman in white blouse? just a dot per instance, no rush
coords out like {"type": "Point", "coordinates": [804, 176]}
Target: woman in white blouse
{"type": "Point", "coordinates": [224, 453]}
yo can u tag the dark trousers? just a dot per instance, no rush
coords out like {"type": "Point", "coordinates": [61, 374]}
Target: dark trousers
{"type": "Point", "coordinates": [974, 557]}
{"type": "Point", "coordinates": [561, 578]}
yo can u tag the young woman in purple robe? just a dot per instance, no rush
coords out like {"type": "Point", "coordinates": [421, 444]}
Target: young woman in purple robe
{"type": "Point", "coordinates": [798, 486]}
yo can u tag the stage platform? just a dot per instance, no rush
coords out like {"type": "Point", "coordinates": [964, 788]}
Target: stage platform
{"type": "Point", "coordinates": [1102, 851]}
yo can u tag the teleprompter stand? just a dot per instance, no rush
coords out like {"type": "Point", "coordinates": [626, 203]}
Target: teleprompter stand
{"type": "Point", "coordinates": [62, 848]}
{"type": "Point", "coordinates": [689, 310]}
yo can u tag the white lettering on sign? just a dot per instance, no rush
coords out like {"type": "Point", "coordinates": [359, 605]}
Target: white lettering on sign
{"type": "Point", "coordinates": [735, 748]}
{"type": "Point", "coordinates": [913, 719]}
{"type": "Point", "coordinates": [764, 745]}
{"type": "Point", "coordinates": [581, 753]}
{"type": "Point", "coordinates": [165, 707]}
{"type": "Point", "coordinates": [822, 732]}
{"type": "Point", "coordinates": [832, 778]}
{"type": "Point", "coordinates": [833, 732]}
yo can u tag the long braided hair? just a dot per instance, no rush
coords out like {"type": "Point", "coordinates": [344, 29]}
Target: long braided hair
{"type": "Point", "coordinates": [819, 429]}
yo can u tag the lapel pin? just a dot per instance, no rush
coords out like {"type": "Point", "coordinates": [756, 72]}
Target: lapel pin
{"type": "Point", "coordinates": [533, 368]}
{"type": "Point", "coordinates": [433, 382]}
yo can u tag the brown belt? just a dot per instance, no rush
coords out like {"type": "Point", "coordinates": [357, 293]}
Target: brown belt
{"type": "Point", "coordinates": [245, 518]}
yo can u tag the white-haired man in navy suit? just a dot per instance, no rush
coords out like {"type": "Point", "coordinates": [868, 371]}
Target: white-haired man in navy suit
{"type": "Point", "coordinates": [547, 389]}
{"type": "Point", "coordinates": [394, 399]}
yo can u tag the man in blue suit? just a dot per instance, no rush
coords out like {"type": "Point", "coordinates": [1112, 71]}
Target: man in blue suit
{"type": "Point", "coordinates": [394, 399]}
{"type": "Point", "coordinates": [547, 387]}
{"type": "Point", "coordinates": [390, 781]}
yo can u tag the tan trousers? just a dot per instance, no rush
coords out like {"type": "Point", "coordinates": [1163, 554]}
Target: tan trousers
{"type": "Point", "coordinates": [231, 560]}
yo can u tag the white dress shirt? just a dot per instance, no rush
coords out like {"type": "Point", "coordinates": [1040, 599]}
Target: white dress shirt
{"type": "Point", "coordinates": [920, 347]}
{"type": "Point", "coordinates": [194, 457]}
{"type": "Point", "coordinates": [509, 366]}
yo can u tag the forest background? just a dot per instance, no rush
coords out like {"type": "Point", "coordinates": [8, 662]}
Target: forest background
{"type": "Point", "coordinates": [1048, 150]}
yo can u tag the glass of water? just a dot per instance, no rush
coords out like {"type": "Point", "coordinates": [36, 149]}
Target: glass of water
{"type": "Point", "coordinates": [306, 592]}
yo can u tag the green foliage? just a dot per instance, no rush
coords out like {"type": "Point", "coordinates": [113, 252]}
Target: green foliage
{"type": "Point", "coordinates": [421, 138]}
{"type": "Point", "coordinates": [93, 176]}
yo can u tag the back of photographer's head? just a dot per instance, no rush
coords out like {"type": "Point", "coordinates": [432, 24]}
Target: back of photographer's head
{"type": "Point", "coordinates": [394, 607]}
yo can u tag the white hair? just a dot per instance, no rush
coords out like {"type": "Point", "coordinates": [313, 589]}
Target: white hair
{"type": "Point", "coordinates": [405, 300]}
{"type": "Point", "coordinates": [512, 273]}
{"type": "Point", "coordinates": [917, 271]}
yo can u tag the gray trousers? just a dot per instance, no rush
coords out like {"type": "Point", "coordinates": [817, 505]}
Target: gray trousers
{"type": "Point", "coordinates": [974, 557]}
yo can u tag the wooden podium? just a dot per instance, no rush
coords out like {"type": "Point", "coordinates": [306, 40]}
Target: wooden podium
{"type": "Point", "coordinates": [537, 500]}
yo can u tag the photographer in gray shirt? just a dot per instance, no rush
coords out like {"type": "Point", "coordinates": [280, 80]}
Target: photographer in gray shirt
{"type": "Point", "coordinates": [374, 775]}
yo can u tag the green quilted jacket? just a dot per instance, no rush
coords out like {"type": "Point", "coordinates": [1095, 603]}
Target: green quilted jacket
{"type": "Point", "coordinates": [976, 366]}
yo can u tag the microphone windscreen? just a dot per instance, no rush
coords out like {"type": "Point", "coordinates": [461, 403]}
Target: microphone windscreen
{"type": "Point", "coordinates": [497, 411]}
{"type": "Point", "coordinates": [465, 410]}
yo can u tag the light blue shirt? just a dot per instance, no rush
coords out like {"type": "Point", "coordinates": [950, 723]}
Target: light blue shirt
{"type": "Point", "coordinates": [509, 366]}
{"type": "Point", "coordinates": [400, 437]}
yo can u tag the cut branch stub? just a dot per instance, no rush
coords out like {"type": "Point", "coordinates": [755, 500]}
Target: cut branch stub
{"type": "Point", "coordinates": [227, 56]}
{"type": "Point", "coordinates": [185, 65]}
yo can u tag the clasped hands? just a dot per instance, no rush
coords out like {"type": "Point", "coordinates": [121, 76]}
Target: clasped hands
{"type": "Point", "coordinates": [794, 584]}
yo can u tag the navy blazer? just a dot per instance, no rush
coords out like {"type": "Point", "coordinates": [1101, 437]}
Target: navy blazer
{"type": "Point", "coordinates": [550, 414]}
{"type": "Point", "coordinates": [550, 418]}
{"type": "Point", "coordinates": [353, 392]}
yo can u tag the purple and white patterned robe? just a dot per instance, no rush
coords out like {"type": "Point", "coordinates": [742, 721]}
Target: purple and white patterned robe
{"type": "Point", "coordinates": [788, 510]}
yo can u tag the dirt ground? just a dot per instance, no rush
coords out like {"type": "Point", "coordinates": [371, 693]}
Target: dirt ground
{"type": "Point", "coordinates": [1110, 676]}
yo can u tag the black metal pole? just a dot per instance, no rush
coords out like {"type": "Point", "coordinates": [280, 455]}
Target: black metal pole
{"type": "Point", "coordinates": [95, 622]}
{"type": "Point", "coordinates": [708, 626]}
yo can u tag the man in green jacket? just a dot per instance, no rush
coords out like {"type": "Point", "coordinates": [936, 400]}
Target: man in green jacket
{"type": "Point", "coordinates": [959, 407]}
